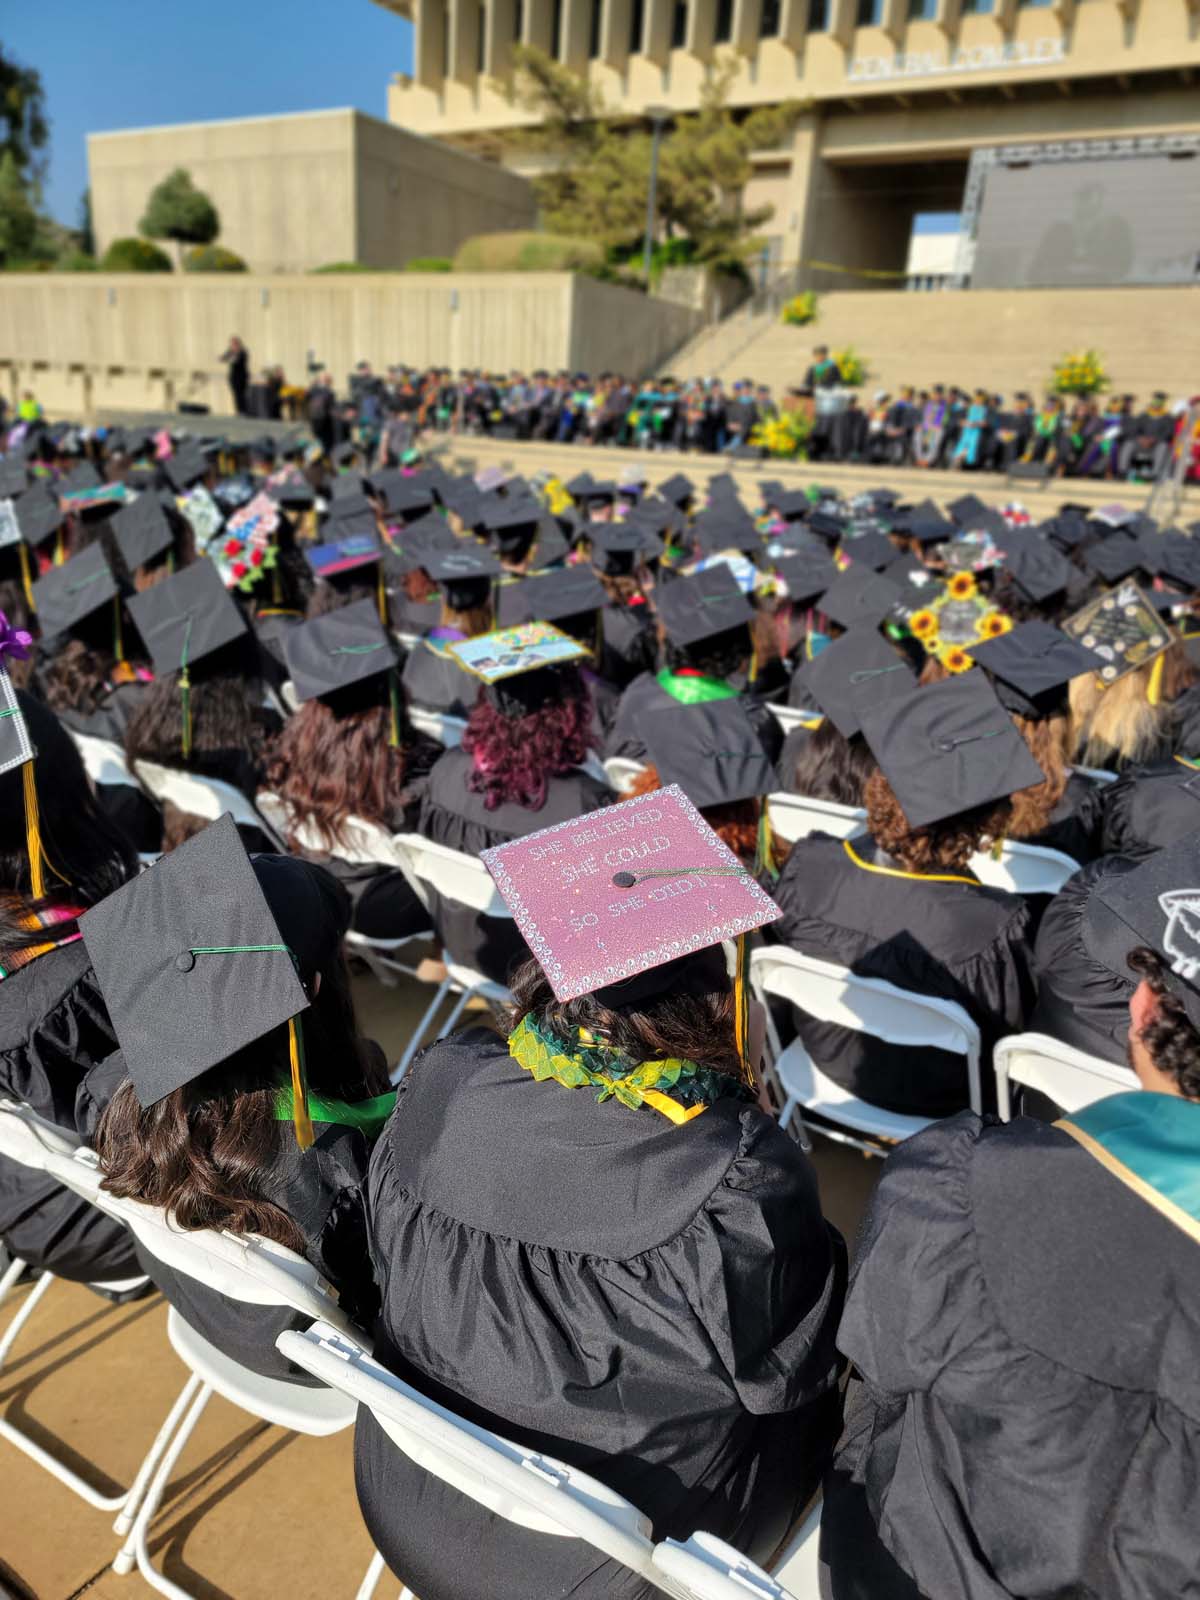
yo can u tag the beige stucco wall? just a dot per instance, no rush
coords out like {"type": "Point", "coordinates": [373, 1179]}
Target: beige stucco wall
{"type": "Point", "coordinates": [297, 192]}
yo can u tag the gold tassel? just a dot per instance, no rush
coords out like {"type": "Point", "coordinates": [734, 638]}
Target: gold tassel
{"type": "Point", "coordinates": [118, 635]}
{"type": "Point", "coordinates": [1154, 692]}
{"type": "Point", "coordinates": [33, 835]}
{"type": "Point", "coordinates": [753, 673]}
{"type": "Point", "coordinates": [60, 554]}
{"type": "Point", "coordinates": [27, 576]}
{"type": "Point", "coordinates": [301, 1120]}
{"type": "Point", "coordinates": [381, 594]}
{"type": "Point", "coordinates": [741, 1013]}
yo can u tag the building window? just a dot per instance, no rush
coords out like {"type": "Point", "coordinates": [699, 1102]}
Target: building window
{"type": "Point", "coordinates": [1035, 5]}
{"type": "Point", "coordinates": [723, 31]}
{"type": "Point", "coordinates": [818, 16]}
{"type": "Point", "coordinates": [768, 19]}
{"type": "Point", "coordinates": [594, 28]}
{"type": "Point", "coordinates": [518, 20]}
{"type": "Point", "coordinates": [870, 14]}
{"type": "Point", "coordinates": [922, 10]}
{"type": "Point", "coordinates": [679, 25]}
{"type": "Point", "coordinates": [637, 26]}
{"type": "Point", "coordinates": [978, 8]}
{"type": "Point", "coordinates": [556, 30]}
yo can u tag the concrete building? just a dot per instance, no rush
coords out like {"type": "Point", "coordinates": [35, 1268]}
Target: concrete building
{"type": "Point", "coordinates": [899, 96]}
{"type": "Point", "coordinates": [301, 191]}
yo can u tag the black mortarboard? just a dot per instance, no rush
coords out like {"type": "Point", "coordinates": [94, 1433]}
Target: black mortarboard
{"type": "Point", "coordinates": [68, 594]}
{"type": "Point", "coordinates": [186, 467]}
{"type": "Point", "coordinates": [600, 489]}
{"type": "Point", "coordinates": [1033, 663]}
{"type": "Point", "coordinates": [722, 486]}
{"type": "Point", "coordinates": [463, 562]}
{"type": "Point", "coordinates": [1156, 904]}
{"type": "Point", "coordinates": [344, 454]}
{"type": "Point", "coordinates": [725, 527]}
{"type": "Point", "coordinates": [859, 596]}
{"type": "Point", "coordinates": [859, 669]}
{"type": "Point", "coordinates": [1114, 558]}
{"type": "Point", "coordinates": [579, 485]}
{"type": "Point", "coordinates": [678, 488]}
{"type": "Point", "coordinates": [205, 953]}
{"type": "Point", "coordinates": [619, 545]}
{"type": "Point", "coordinates": [400, 496]}
{"type": "Point", "coordinates": [807, 574]}
{"type": "Point", "coordinates": [186, 617]}
{"type": "Point", "coordinates": [965, 510]}
{"type": "Point", "coordinates": [829, 527]}
{"type": "Point", "coordinates": [84, 476]}
{"type": "Point", "coordinates": [791, 504]}
{"type": "Point", "coordinates": [294, 494]}
{"type": "Point", "coordinates": [1037, 568]}
{"type": "Point", "coordinates": [874, 550]}
{"type": "Point", "coordinates": [549, 596]}
{"type": "Point", "coordinates": [947, 748]}
{"type": "Point", "coordinates": [342, 648]}
{"type": "Point", "coordinates": [1178, 558]}
{"type": "Point", "coordinates": [142, 531]}
{"type": "Point", "coordinates": [513, 524]}
{"type": "Point", "coordinates": [346, 485]}
{"type": "Point", "coordinates": [13, 477]}
{"type": "Point", "coordinates": [38, 514]}
{"type": "Point", "coordinates": [1067, 529]}
{"type": "Point", "coordinates": [701, 606]}
{"type": "Point", "coordinates": [712, 751]}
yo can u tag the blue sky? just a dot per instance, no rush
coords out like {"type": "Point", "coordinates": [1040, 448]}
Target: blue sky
{"type": "Point", "coordinates": [133, 63]}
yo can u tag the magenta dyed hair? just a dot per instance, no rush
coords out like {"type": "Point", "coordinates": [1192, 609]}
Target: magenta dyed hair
{"type": "Point", "coordinates": [513, 758]}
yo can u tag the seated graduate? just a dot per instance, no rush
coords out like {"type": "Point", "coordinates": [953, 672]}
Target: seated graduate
{"type": "Point", "coordinates": [588, 1236]}
{"type": "Point", "coordinates": [714, 754]}
{"type": "Point", "coordinates": [242, 1096]}
{"type": "Point", "coordinates": [434, 679]}
{"type": "Point", "coordinates": [58, 855]}
{"type": "Point", "coordinates": [572, 599]}
{"type": "Point", "coordinates": [1144, 708]}
{"type": "Point", "coordinates": [150, 542]}
{"type": "Point", "coordinates": [705, 621]}
{"type": "Point", "coordinates": [1149, 807]}
{"type": "Point", "coordinates": [629, 640]}
{"type": "Point", "coordinates": [205, 711]}
{"type": "Point", "coordinates": [523, 765]}
{"type": "Point", "coordinates": [349, 752]}
{"type": "Point", "coordinates": [1021, 1316]}
{"type": "Point", "coordinates": [901, 902]}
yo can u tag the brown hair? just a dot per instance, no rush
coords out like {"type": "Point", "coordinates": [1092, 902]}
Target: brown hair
{"type": "Point", "coordinates": [735, 824]}
{"type": "Point", "coordinates": [832, 767]}
{"type": "Point", "coordinates": [1048, 741]}
{"type": "Point", "coordinates": [201, 1150]}
{"type": "Point", "coordinates": [77, 678]}
{"type": "Point", "coordinates": [327, 767]}
{"type": "Point", "coordinates": [1118, 724]}
{"type": "Point", "coordinates": [942, 846]}
{"type": "Point", "coordinates": [472, 621]}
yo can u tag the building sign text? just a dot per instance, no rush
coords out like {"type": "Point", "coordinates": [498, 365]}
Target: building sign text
{"type": "Point", "coordinates": [972, 58]}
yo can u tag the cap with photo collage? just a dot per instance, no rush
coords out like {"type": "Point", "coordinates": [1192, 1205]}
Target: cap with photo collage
{"type": "Point", "coordinates": [702, 606]}
{"type": "Point", "coordinates": [550, 597]}
{"type": "Point", "coordinates": [142, 531]}
{"type": "Point", "coordinates": [858, 670]}
{"type": "Point", "coordinates": [627, 903]}
{"type": "Point", "coordinates": [66, 596]}
{"type": "Point", "coordinates": [342, 651]}
{"type": "Point", "coordinates": [1126, 630]}
{"type": "Point", "coordinates": [1032, 666]}
{"type": "Point", "coordinates": [205, 953]}
{"type": "Point", "coordinates": [860, 596]}
{"type": "Point", "coordinates": [947, 748]}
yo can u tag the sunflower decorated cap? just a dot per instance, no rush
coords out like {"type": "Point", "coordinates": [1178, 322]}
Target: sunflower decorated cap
{"type": "Point", "coordinates": [619, 892]}
{"type": "Point", "coordinates": [860, 669]}
{"type": "Point", "coordinates": [947, 748]}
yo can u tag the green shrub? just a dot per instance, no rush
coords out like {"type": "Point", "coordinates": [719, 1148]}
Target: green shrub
{"type": "Point", "coordinates": [343, 266]}
{"type": "Point", "coordinates": [528, 252]}
{"type": "Point", "coordinates": [135, 255]}
{"type": "Point", "coordinates": [76, 261]}
{"type": "Point", "coordinates": [429, 264]}
{"type": "Point", "coordinates": [27, 265]}
{"type": "Point", "coordinates": [213, 258]}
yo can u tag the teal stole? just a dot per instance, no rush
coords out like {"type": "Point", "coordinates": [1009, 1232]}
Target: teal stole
{"type": "Point", "coordinates": [1151, 1144]}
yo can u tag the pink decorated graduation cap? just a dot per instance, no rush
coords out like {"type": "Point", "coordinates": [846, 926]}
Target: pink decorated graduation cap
{"type": "Point", "coordinates": [620, 891]}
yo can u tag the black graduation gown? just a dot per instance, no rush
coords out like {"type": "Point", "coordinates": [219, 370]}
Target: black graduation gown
{"type": "Point", "coordinates": [1029, 1420]}
{"type": "Point", "coordinates": [629, 642]}
{"type": "Point", "coordinates": [653, 1304]}
{"type": "Point", "coordinates": [53, 1028]}
{"type": "Point", "coordinates": [1149, 808]}
{"type": "Point", "coordinates": [1080, 1000]}
{"type": "Point", "coordinates": [434, 681]}
{"type": "Point", "coordinates": [454, 815]}
{"type": "Point", "coordinates": [952, 940]}
{"type": "Point", "coordinates": [111, 717]}
{"type": "Point", "coordinates": [130, 810]}
{"type": "Point", "coordinates": [322, 1189]}
{"type": "Point", "coordinates": [270, 628]}
{"type": "Point", "coordinates": [1074, 823]}
{"type": "Point", "coordinates": [645, 694]}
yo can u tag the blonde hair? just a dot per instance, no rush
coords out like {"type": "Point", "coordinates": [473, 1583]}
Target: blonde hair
{"type": "Point", "coordinates": [1118, 725]}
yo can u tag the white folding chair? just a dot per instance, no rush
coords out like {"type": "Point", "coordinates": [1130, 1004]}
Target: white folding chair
{"type": "Point", "coordinates": [790, 717]}
{"type": "Point", "coordinates": [1071, 1078]}
{"type": "Point", "coordinates": [1100, 775]}
{"type": "Point", "coordinates": [209, 798]}
{"type": "Point", "coordinates": [1024, 868]}
{"type": "Point", "coordinates": [254, 1271]}
{"type": "Point", "coordinates": [867, 1005]}
{"type": "Point", "coordinates": [287, 693]}
{"type": "Point", "coordinates": [524, 1487]}
{"type": "Point", "coordinates": [621, 771]}
{"type": "Point", "coordinates": [103, 760]}
{"type": "Point", "coordinates": [439, 725]}
{"type": "Point", "coordinates": [467, 881]}
{"type": "Point", "coordinates": [706, 1568]}
{"type": "Point", "coordinates": [30, 1140]}
{"type": "Point", "coordinates": [798, 1567]}
{"type": "Point", "coordinates": [795, 816]}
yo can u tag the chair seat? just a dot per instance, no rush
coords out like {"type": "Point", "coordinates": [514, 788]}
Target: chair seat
{"type": "Point", "coordinates": [288, 1405]}
{"type": "Point", "coordinates": [467, 978]}
{"type": "Point", "coordinates": [815, 1092]}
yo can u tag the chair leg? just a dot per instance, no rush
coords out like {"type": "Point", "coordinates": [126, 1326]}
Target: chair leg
{"type": "Point", "coordinates": [135, 1550]}
{"type": "Point", "coordinates": [163, 1437]}
{"type": "Point", "coordinates": [419, 1031]}
{"type": "Point", "coordinates": [12, 1272]}
{"type": "Point", "coordinates": [371, 1578]}
{"type": "Point", "coordinates": [460, 1005]}
{"type": "Point", "coordinates": [12, 1332]}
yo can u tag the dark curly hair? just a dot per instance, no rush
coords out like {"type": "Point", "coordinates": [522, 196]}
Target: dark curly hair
{"type": "Point", "coordinates": [719, 656]}
{"type": "Point", "coordinates": [513, 756]}
{"type": "Point", "coordinates": [77, 678]}
{"type": "Point", "coordinates": [1171, 1040]}
{"type": "Point", "coordinates": [328, 765]}
{"type": "Point", "coordinates": [942, 846]}
{"type": "Point", "coordinates": [832, 767]}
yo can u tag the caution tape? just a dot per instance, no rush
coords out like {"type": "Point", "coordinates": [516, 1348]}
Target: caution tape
{"type": "Point", "coordinates": [854, 272]}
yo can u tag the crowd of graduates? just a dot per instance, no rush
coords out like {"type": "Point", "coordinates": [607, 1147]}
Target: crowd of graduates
{"type": "Point", "coordinates": [581, 1224]}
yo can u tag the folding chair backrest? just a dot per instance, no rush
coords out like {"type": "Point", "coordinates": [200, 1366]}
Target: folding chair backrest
{"type": "Point", "coordinates": [706, 1568]}
{"type": "Point", "coordinates": [795, 816]}
{"type": "Point", "coordinates": [868, 1005]}
{"type": "Point", "coordinates": [458, 877]}
{"type": "Point", "coordinates": [522, 1486]}
{"type": "Point", "coordinates": [103, 761]}
{"type": "Point", "coordinates": [621, 771]}
{"type": "Point", "coordinates": [287, 693]}
{"type": "Point", "coordinates": [789, 717]}
{"type": "Point", "coordinates": [439, 725]}
{"type": "Point", "coordinates": [1070, 1077]}
{"type": "Point", "coordinates": [1024, 868]}
{"type": "Point", "coordinates": [1100, 775]}
{"type": "Point", "coordinates": [203, 797]}
{"type": "Point", "coordinates": [33, 1142]}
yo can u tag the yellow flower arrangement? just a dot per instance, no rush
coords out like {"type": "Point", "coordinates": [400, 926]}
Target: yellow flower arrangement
{"type": "Point", "coordinates": [785, 435]}
{"type": "Point", "coordinates": [922, 623]}
{"type": "Point", "coordinates": [962, 586]}
{"type": "Point", "coordinates": [956, 659]}
{"type": "Point", "coordinates": [995, 624]}
{"type": "Point", "coordinates": [800, 309]}
{"type": "Point", "coordinates": [1081, 373]}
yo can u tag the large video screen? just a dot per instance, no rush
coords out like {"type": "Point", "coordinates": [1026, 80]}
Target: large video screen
{"type": "Point", "coordinates": [1053, 224]}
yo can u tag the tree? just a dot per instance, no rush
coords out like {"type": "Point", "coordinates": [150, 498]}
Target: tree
{"type": "Point", "coordinates": [86, 231]}
{"type": "Point", "coordinates": [135, 255]}
{"type": "Point", "coordinates": [178, 211]}
{"type": "Point", "coordinates": [24, 130]}
{"type": "Point", "coordinates": [597, 185]}
{"type": "Point", "coordinates": [18, 215]}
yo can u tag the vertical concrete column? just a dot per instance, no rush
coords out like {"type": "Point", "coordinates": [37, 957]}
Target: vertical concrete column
{"type": "Point", "coordinates": [499, 22]}
{"type": "Point", "coordinates": [429, 42]}
{"type": "Point", "coordinates": [465, 23]}
{"type": "Point", "coordinates": [539, 25]}
{"type": "Point", "coordinates": [747, 19]}
{"type": "Point", "coordinates": [802, 189]}
{"type": "Point", "coordinates": [657, 42]}
{"type": "Point", "coordinates": [793, 24]}
{"type": "Point", "coordinates": [614, 33]}
{"type": "Point", "coordinates": [577, 28]}
{"type": "Point", "coordinates": [701, 28]}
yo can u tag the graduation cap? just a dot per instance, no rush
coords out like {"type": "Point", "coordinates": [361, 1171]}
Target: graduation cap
{"type": "Point", "coordinates": [294, 494]}
{"type": "Point", "coordinates": [519, 664]}
{"type": "Point", "coordinates": [344, 454]}
{"type": "Point", "coordinates": [947, 748]}
{"type": "Point", "coordinates": [82, 477]}
{"type": "Point", "coordinates": [13, 477]}
{"type": "Point", "coordinates": [806, 574]}
{"type": "Point", "coordinates": [702, 606]}
{"type": "Point", "coordinates": [349, 485]}
{"type": "Point", "coordinates": [620, 544]}
{"type": "Point", "coordinates": [965, 509]}
{"type": "Point", "coordinates": [711, 751]}
{"type": "Point", "coordinates": [791, 504]}
{"type": "Point", "coordinates": [678, 489]}
{"type": "Point", "coordinates": [38, 514]}
{"type": "Point", "coordinates": [603, 490]}
{"type": "Point", "coordinates": [463, 572]}
{"type": "Point", "coordinates": [69, 594]}
{"type": "Point", "coordinates": [142, 531]}
{"type": "Point", "coordinates": [1114, 558]}
{"type": "Point", "coordinates": [400, 495]}
{"type": "Point", "coordinates": [827, 525]}
{"type": "Point", "coordinates": [1178, 558]}
{"type": "Point", "coordinates": [206, 952]}
{"type": "Point", "coordinates": [513, 525]}
{"type": "Point", "coordinates": [186, 467]}
{"type": "Point", "coordinates": [1067, 529]}
{"type": "Point", "coordinates": [859, 596]}
{"type": "Point", "coordinates": [347, 553]}
{"type": "Point", "coordinates": [1032, 664]}
{"type": "Point", "coordinates": [1123, 627]}
{"type": "Point", "coordinates": [726, 527]}
{"type": "Point", "coordinates": [722, 486]}
{"type": "Point", "coordinates": [874, 550]}
{"type": "Point", "coordinates": [628, 913]}
{"type": "Point", "coordinates": [550, 596]}
{"type": "Point", "coordinates": [336, 651]}
{"type": "Point", "coordinates": [579, 485]}
{"type": "Point", "coordinates": [859, 669]}
{"type": "Point", "coordinates": [1156, 904]}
